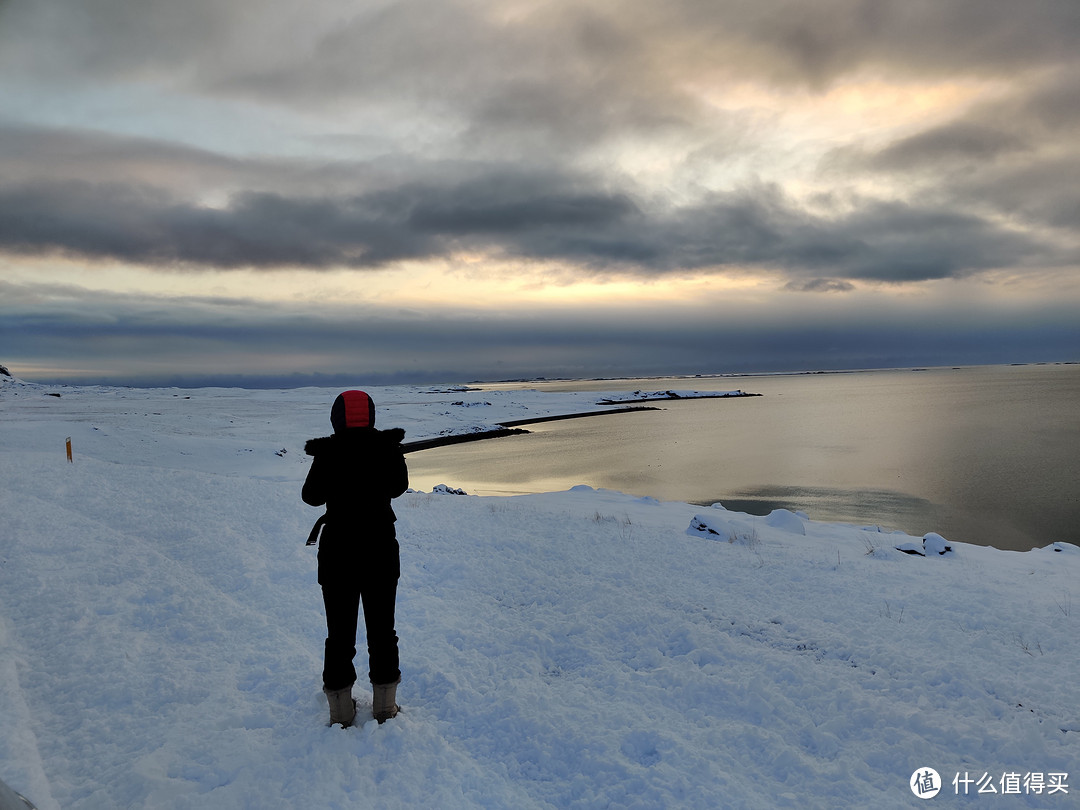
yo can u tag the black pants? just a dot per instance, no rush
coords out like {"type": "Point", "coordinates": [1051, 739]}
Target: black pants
{"type": "Point", "coordinates": [371, 581]}
{"type": "Point", "coordinates": [342, 608]}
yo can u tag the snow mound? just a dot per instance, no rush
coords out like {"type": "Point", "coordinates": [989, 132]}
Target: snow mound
{"type": "Point", "coordinates": [786, 520]}
{"type": "Point", "coordinates": [734, 528]}
{"type": "Point", "coordinates": [1068, 548]}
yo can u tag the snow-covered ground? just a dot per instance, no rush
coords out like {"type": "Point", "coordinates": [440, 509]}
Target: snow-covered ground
{"type": "Point", "coordinates": [161, 632]}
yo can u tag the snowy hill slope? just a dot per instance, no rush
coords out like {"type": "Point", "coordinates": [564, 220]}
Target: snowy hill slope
{"type": "Point", "coordinates": [161, 634]}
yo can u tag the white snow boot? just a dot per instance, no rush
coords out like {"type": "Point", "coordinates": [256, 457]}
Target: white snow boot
{"type": "Point", "coordinates": [384, 701]}
{"type": "Point", "coordinates": [342, 706]}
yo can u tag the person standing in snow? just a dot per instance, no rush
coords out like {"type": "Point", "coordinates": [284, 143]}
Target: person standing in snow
{"type": "Point", "coordinates": [355, 473]}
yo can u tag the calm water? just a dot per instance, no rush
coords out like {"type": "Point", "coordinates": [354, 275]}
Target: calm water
{"type": "Point", "coordinates": [985, 455]}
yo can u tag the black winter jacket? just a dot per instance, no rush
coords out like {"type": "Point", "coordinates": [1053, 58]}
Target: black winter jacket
{"type": "Point", "coordinates": [356, 473]}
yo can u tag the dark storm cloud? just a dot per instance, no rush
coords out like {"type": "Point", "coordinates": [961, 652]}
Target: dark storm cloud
{"type": "Point", "coordinates": [510, 214]}
{"type": "Point", "coordinates": [1015, 159]}
{"type": "Point", "coordinates": [1054, 104]}
{"type": "Point", "coordinates": [1046, 195]}
{"type": "Point", "coordinates": [505, 204]}
{"type": "Point", "coordinates": [882, 241]}
{"type": "Point", "coordinates": [1024, 127]}
{"type": "Point", "coordinates": [32, 155]}
{"type": "Point", "coordinates": [817, 42]}
{"type": "Point", "coordinates": [825, 285]}
{"type": "Point", "coordinates": [467, 40]}
{"type": "Point", "coordinates": [1039, 186]}
{"type": "Point", "coordinates": [569, 76]}
{"type": "Point", "coordinates": [955, 142]}
{"type": "Point", "coordinates": [145, 224]}
{"type": "Point", "coordinates": [568, 71]}
{"type": "Point", "coordinates": [526, 95]}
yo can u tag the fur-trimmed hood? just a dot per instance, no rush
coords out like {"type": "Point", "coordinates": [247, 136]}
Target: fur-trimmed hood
{"type": "Point", "coordinates": [354, 439]}
{"type": "Point", "coordinates": [356, 473]}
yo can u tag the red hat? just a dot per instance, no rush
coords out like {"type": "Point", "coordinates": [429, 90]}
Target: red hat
{"type": "Point", "coordinates": [352, 409]}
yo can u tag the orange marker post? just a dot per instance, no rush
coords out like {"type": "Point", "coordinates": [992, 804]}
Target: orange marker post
{"type": "Point", "coordinates": [69, 450]}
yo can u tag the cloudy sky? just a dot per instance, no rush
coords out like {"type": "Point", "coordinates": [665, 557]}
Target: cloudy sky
{"type": "Point", "coordinates": [285, 192]}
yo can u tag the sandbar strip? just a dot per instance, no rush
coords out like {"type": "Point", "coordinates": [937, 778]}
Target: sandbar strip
{"type": "Point", "coordinates": [509, 428]}
{"type": "Point", "coordinates": [513, 427]}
